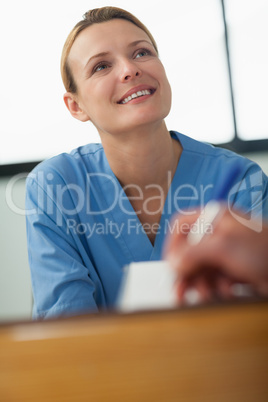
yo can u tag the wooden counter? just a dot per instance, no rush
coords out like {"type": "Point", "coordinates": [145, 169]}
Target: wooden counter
{"type": "Point", "coordinates": [199, 354]}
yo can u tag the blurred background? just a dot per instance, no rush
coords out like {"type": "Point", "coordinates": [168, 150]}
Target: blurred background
{"type": "Point", "coordinates": [216, 59]}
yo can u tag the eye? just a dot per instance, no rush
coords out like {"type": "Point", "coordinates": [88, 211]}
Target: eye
{"type": "Point", "coordinates": [99, 67]}
{"type": "Point", "coordinates": [142, 53]}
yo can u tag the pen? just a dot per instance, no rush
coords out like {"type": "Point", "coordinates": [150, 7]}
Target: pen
{"type": "Point", "coordinates": [213, 209]}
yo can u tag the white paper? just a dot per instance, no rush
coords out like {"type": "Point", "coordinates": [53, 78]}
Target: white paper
{"type": "Point", "coordinates": [146, 286]}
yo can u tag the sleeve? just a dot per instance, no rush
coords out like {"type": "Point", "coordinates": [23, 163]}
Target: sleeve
{"type": "Point", "coordinates": [61, 282]}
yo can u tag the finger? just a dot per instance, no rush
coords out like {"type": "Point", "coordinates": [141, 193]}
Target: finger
{"type": "Point", "coordinates": [204, 289]}
{"type": "Point", "coordinates": [223, 286]}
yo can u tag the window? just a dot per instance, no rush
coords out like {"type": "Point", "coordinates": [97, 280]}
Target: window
{"type": "Point", "coordinates": [248, 41]}
{"type": "Point", "coordinates": [214, 52]}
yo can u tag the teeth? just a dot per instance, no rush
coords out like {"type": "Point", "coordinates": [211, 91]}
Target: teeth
{"type": "Point", "coordinates": [136, 95]}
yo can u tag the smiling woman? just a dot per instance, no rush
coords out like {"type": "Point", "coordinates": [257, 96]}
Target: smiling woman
{"type": "Point", "coordinates": [103, 206]}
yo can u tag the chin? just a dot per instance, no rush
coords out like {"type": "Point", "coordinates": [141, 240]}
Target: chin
{"type": "Point", "coordinates": [151, 115]}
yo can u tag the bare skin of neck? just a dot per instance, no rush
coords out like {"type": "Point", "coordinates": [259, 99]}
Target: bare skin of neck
{"type": "Point", "coordinates": [144, 162]}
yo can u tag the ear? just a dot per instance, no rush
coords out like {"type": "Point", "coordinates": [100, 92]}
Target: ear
{"type": "Point", "coordinates": [74, 108]}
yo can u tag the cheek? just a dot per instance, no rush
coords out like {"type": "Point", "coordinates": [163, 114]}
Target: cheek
{"type": "Point", "coordinates": [165, 89]}
{"type": "Point", "coordinates": [98, 100]}
{"type": "Point", "coordinates": [104, 87]}
{"type": "Point", "coordinates": [165, 93]}
{"type": "Point", "coordinates": [102, 95]}
{"type": "Point", "coordinates": [94, 98]}
{"type": "Point", "coordinates": [163, 80]}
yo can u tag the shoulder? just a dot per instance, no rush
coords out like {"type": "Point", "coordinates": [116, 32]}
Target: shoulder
{"type": "Point", "coordinates": [214, 164]}
{"type": "Point", "coordinates": [69, 167]}
{"type": "Point", "coordinates": [210, 154]}
{"type": "Point", "coordinates": [199, 147]}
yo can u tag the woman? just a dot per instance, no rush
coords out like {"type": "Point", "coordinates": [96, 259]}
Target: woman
{"type": "Point", "coordinates": [102, 206]}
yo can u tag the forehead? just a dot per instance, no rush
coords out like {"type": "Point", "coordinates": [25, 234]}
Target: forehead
{"type": "Point", "coordinates": [104, 37]}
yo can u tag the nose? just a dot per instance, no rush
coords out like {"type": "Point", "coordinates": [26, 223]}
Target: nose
{"type": "Point", "coordinates": [129, 71]}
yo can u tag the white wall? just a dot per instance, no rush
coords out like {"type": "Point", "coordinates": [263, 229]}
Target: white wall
{"type": "Point", "coordinates": [15, 285]}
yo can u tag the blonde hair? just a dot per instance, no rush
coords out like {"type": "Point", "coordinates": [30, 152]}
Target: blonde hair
{"type": "Point", "coordinates": [91, 17]}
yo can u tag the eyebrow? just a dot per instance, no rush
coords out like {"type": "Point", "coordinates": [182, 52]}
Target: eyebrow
{"type": "Point", "coordinates": [103, 54]}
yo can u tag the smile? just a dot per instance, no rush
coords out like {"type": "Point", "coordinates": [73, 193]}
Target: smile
{"type": "Point", "coordinates": [137, 94]}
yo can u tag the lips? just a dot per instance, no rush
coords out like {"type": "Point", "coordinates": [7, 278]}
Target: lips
{"type": "Point", "coordinates": [136, 92]}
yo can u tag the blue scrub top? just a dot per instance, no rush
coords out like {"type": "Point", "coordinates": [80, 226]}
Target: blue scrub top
{"type": "Point", "coordinates": [82, 229]}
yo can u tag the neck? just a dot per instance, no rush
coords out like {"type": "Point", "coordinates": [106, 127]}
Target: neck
{"type": "Point", "coordinates": [146, 156]}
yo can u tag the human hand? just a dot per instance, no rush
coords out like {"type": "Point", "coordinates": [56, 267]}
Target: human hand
{"type": "Point", "coordinates": [229, 254]}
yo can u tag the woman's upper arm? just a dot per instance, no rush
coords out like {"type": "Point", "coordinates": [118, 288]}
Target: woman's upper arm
{"type": "Point", "coordinates": [61, 280]}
